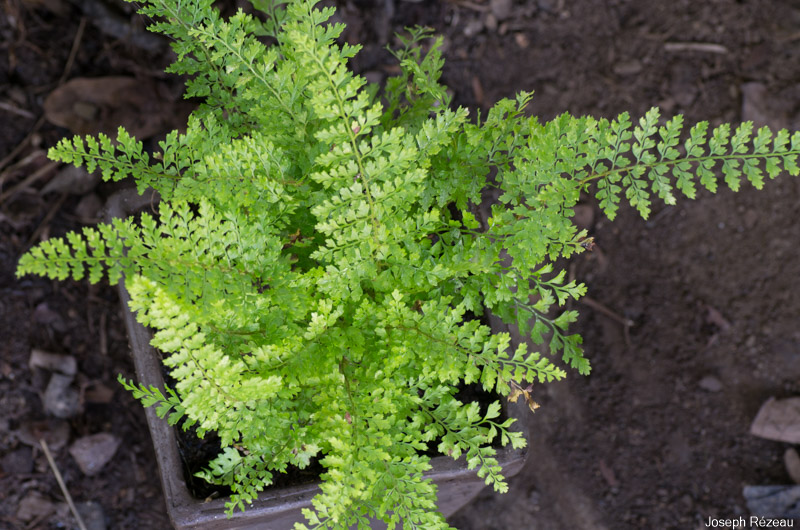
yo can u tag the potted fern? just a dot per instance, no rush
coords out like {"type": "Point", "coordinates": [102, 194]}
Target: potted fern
{"type": "Point", "coordinates": [316, 273]}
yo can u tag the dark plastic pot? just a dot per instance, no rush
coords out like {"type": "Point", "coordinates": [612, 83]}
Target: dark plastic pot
{"type": "Point", "coordinates": [275, 508]}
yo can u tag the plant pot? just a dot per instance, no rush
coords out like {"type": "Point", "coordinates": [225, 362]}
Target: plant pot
{"type": "Point", "coordinates": [275, 508]}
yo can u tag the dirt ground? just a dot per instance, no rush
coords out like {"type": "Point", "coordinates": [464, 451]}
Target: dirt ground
{"type": "Point", "coordinates": [657, 435]}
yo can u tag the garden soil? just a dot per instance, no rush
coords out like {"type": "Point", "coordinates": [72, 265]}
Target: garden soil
{"type": "Point", "coordinates": [691, 321]}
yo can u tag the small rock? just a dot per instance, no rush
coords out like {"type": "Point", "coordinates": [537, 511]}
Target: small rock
{"type": "Point", "coordinates": [60, 399]}
{"type": "Point", "coordinates": [94, 518]}
{"type": "Point", "coordinates": [74, 180]}
{"type": "Point", "coordinates": [473, 27]}
{"type": "Point", "coordinates": [773, 501]}
{"type": "Point", "coordinates": [625, 68]}
{"type": "Point", "coordinates": [34, 505]}
{"type": "Point", "coordinates": [64, 364]}
{"type": "Point", "coordinates": [547, 6]}
{"type": "Point", "coordinates": [778, 420]}
{"type": "Point", "coordinates": [18, 462]}
{"type": "Point", "coordinates": [89, 206]}
{"type": "Point", "coordinates": [711, 384]}
{"type": "Point", "coordinates": [522, 40]}
{"type": "Point", "coordinates": [94, 451]}
{"type": "Point", "coordinates": [792, 461]}
{"type": "Point", "coordinates": [501, 9]}
{"type": "Point", "coordinates": [491, 22]}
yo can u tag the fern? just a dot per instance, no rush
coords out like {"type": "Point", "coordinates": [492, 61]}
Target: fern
{"type": "Point", "coordinates": [315, 272]}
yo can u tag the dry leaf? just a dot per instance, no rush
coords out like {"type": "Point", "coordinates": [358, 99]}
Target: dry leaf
{"type": "Point", "coordinates": [101, 105]}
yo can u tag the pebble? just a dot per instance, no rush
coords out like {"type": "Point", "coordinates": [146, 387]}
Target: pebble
{"type": "Point", "coordinates": [773, 501]}
{"type": "Point", "coordinates": [792, 461]}
{"type": "Point", "coordinates": [473, 27]}
{"type": "Point", "coordinates": [54, 362]}
{"type": "Point", "coordinates": [34, 506]}
{"type": "Point", "coordinates": [74, 180]}
{"type": "Point", "coordinates": [94, 518]}
{"type": "Point", "coordinates": [711, 384]}
{"type": "Point", "coordinates": [18, 462]}
{"type": "Point", "coordinates": [93, 452]}
{"type": "Point", "coordinates": [60, 399]}
{"type": "Point", "coordinates": [501, 9]}
{"type": "Point", "coordinates": [778, 420]}
{"type": "Point", "coordinates": [89, 206]}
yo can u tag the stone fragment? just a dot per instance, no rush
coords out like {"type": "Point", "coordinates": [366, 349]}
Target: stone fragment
{"type": "Point", "coordinates": [491, 22]}
{"type": "Point", "coordinates": [64, 364]}
{"type": "Point", "coordinates": [501, 9]}
{"type": "Point", "coordinates": [73, 180]}
{"type": "Point", "coordinates": [34, 506]}
{"type": "Point", "coordinates": [522, 40]}
{"type": "Point", "coordinates": [778, 420]}
{"type": "Point", "coordinates": [93, 452]}
{"type": "Point", "coordinates": [711, 384]}
{"type": "Point", "coordinates": [60, 399]}
{"type": "Point", "coordinates": [473, 27]}
{"type": "Point", "coordinates": [18, 462]}
{"type": "Point", "coordinates": [94, 518]}
{"type": "Point", "coordinates": [792, 462]}
{"type": "Point", "coordinates": [773, 501]}
{"type": "Point", "coordinates": [89, 206]}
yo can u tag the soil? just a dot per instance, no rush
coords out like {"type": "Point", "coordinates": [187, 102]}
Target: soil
{"type": "Point", "coordinates": [657, 435]}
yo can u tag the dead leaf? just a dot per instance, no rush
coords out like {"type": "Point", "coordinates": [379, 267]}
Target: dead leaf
{"type": "Point", "coordinates": [101, 105]}
{"type": "Point", "coordinates": [517, 391]}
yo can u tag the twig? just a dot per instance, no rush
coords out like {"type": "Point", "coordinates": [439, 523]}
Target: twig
{"type": "Point", "coordinates": [67, 67]}
{"type": "Point", "coordinates": [33, 177]}
{"type": "Point", "coordinates": [471, 5]}
{"type": "Point", "coordinates": [594, 304]}
{"type": "Point", "coordinates": [61, 484]}
{"type": "Point", "coordinates": [695, 47]}
{"type": "Point", "coordinates": [76, 42]}
{"type": "Point", "coordinates": [14, 110]}
{"type": "Point", "coordinates": [20, 146]}
{"type": "Point", "coordinates": [46, 220]}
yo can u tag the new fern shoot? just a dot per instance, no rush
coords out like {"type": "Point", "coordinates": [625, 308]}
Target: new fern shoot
{"type": "Point", "coordinates": [315, 270]}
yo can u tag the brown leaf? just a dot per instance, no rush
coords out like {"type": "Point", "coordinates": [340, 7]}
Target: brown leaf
{"type": "Point", "coordinates": [101, 105]}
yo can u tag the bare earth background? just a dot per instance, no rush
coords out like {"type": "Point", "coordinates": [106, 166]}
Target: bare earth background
{"type": "Point", "coordinates": [656, 437]}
